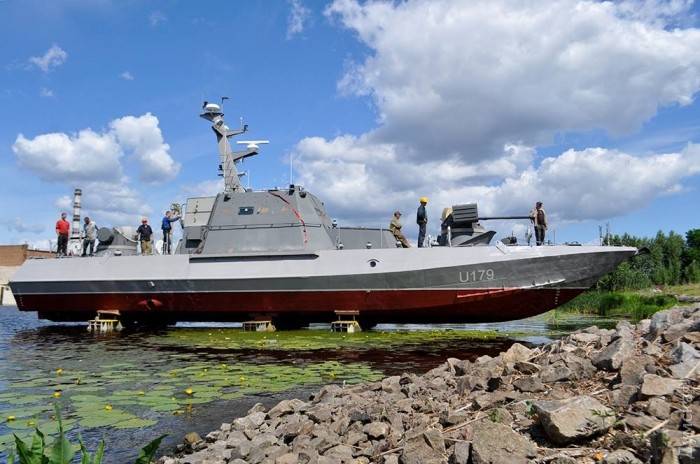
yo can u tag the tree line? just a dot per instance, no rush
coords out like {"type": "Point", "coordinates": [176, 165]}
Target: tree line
{"type": "Point", "coordinates": [673, 259]}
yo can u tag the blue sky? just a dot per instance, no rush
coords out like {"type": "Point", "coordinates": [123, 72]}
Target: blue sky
{"type": "Point", "coordinates": [296, 85]}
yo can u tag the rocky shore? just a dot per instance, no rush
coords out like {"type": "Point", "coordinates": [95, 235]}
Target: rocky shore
{"type": "Point", "coordinates": [628, 395]}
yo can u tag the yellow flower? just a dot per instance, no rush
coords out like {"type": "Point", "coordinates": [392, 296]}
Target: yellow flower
{"type": "Point", "coordinates": [59, 371]}
{"type": "Point", "coordinates": [57, 394]}
{"type": "Point", "coordinates": [141, 393]}
{"type": "Point", "coordinates": [31, 423]}
{"type": "Point", "coordinates": [108, 407]}
{"type": "Point", "coordinates": [242, 378]}
{"type": "Point", "coordinates": [10, 418]}
{"type": "Point", "coordinates": [189, 391]}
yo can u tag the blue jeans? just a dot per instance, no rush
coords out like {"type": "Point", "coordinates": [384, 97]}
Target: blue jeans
{"type": "Point", "coordinates": [421, 234]}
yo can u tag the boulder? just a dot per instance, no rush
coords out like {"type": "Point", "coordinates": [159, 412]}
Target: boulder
{"type": "Point", "coordinates": [192, 439]}
{"type": "Point", "coordinates": [570, 420]}
{"type": "Point", "coordinates": [659, 408]}
{"type": "Point", "coordinates": [460, 453]}
{"type": "Point", "coordinates": [556, 372]}
{"type": "Point", "coordinates": [517, 353]}
{"type": "Point", "coordinates": [529, 384]}
{"type": "Point", "coordinates": [494, 443]}
{"type": "Point", "coordinates": [612, 356]}
{"type": "Point", "coordinates": [423, 447]}
{"type": "Point", "coordinates": [288, 458]}
{"type": "Point", "coordinates": [633, 369]}
{"type": "Point", "coordinates": [653, 385]}
{"type": "Point", "coordinates": [685, 358]}
{"type": "Point", "coordinates": [376, 430]}
{"type": "Point", "coordinates": [621, 457]}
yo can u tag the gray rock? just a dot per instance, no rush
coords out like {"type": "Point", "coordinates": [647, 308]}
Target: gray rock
{"type": "Point", "coordinates": [676, 331]}
{"type": "Point", "coordinates": [342, 453]}
{"type": "Point", "coordinates": [659, 408]}
{"type": "Point", "coordinates": [283, 407]}
{"type": "Point", "coordinates": [612, 356]}
{"type": "Point", "coordinates": [653, 385]}
{"type": "Point", "coordinates": [640, 423]}
{"type": "Point", "coordinates": [391, 459]}
{"type": "Point", "coordinates": [257, 407]}
{"type": "Point", "coordinates": [517, 353]}
{"type": "Point", "coordinates": [460, 453]}
{"type": "Point", "coordinates": [567, 421]}
{"type": "Point", "coordinates": [621, 457]}
{"type": "Point", "coordinates": [624, 395]}
{"type": "Point", "coordinates": [633, 369]}
{"type": "Point", "coordinates": [556, 372]}
{"type": "Point", "coordinates": [427, 447]}
{"type": "Point", "coordinates": [192, 438]}
{"type": "Point", "coordinates": [319, 413]}
{"type": "Point", "coordinates": [585, 338]}
{"type": "Point", "coordinates": [527, 367]}
{"type": "Point", "coordinates": [663, 319]}
{"type": "Point", "coordinates": [529, 385]}
{"type": "Point", "coordinates": [376, 430]}
{"type": "Point", "coordinates": [494, 443]}
{"type": "Point", "coordinates": [288, 458]}
{"type": "Point", "coordinates": [685, 357]}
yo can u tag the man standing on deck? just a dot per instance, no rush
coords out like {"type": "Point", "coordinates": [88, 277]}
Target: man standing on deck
{"type": "Point", "coordinates": [167, 229]}
{"type": "Point", "coordinates": [539, 221]}
{"type": "Point", "coordinates": [62, 231]}
{"type": "Point", "coordinates": [144, 236]}
{"type": "Point", "coordinates": [395, 228]}
{"type": "Point", "coordinates": [90, 236]}
{"type": "Point", "coordinates": [422, 220]}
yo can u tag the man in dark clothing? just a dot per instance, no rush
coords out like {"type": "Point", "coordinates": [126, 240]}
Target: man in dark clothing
{"type": "Point", "coordinates": [144, 236]}
{"type": "Point", "coordinates": [422, 220]}
{"type": "Point", "coordinates": [62, 231]}
{"type": "Point", "coordinates": [167, 229]}
{"type": "Point", "coordinates": [539, 221]}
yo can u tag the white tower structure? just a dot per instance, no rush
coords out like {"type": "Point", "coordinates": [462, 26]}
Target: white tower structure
{"type": "Point", "coordinates": [75, 242]}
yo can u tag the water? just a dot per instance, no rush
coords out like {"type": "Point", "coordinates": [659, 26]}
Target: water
{"type": "Point", "coordinates": [132, 387]}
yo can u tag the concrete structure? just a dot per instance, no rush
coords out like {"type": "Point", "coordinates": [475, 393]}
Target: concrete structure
{"type": "Point", "coordinates": [11, 257]}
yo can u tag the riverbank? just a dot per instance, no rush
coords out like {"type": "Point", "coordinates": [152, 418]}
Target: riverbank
{"type": "Point", "coordinates": [629, 394]}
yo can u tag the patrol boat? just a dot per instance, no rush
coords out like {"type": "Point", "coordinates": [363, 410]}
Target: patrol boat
{"type": "Point", "coordinates": [277, 255]}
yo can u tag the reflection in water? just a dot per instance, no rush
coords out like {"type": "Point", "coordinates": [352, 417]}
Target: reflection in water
{"type": "Point", "coordinates": [131, 387]}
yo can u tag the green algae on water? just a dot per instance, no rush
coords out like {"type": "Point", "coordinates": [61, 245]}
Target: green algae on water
{"type": "Point", "coordinates": [303, 340]}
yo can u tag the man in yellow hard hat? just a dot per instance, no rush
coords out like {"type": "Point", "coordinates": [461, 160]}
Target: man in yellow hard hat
{"type": "Point", "coordinates": [422, 220]}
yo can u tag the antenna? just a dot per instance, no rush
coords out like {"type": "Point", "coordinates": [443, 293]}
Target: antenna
{"type": "Point", "coordinates": [252, 143]}
{"type": "Point", "coordinates": [222, 103]}
{"type": "Point", "coordinates": [291, 168]}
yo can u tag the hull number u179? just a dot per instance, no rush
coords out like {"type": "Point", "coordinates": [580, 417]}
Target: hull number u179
{"type": "Point", "coordinates": [477, 275]}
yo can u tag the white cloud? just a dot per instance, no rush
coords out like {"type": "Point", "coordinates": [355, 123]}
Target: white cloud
{"type": "Point", "coordinates": [594, 183]}
{"type": "Point", "coordinates": [206, 188]}
{"type": "Point", "coordinates": [156, 18]}
{"type": "Point", "coordinates": [92, 156]}
{"type": "Point", "coordinates": [44, 92]}
{"type": "Point", "coordinates": [97, 162]}
{"type": "Point", "coordinates": [54, 57]}
{"type": "Point", "coordinates": [127, 76]}
{"type": "Point", "coordinates": [456, 81]}
{"type": "Point", "coordinates": [19, 226]}
{"type": "Point", "coordinates": [61, 157]}
{"type": "Point", "coordinates": [298, 16]}
{"type": "Point", "coordinates": [483, 73]}
{"type": "Point", "coordinates": [143, 137]}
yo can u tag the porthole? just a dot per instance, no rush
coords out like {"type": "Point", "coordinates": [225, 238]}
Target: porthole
{"type": "Point", "coordinates": [373, 263]}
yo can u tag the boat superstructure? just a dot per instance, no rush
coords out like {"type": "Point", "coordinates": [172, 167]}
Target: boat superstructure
{"type": "Point", "coordinates": [277, 254]}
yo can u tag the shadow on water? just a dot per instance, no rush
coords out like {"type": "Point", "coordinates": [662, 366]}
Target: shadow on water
{"type": "Point", "coordinates": [143, 377]}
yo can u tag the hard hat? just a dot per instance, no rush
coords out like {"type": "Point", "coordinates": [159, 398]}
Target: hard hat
{"type": "Point", "coordinates": [423, 199]}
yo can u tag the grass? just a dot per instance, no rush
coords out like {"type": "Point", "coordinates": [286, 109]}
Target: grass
{"type": "Point", "coordinates": [633, 305]}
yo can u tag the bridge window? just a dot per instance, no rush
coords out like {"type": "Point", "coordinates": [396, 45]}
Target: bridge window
{"type": "Point", "coordinates": [245, 210]}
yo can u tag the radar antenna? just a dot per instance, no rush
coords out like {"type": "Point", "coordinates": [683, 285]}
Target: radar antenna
{"type": "Point", "coordinates": [228, 158]}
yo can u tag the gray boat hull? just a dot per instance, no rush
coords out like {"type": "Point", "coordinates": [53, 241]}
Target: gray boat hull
{"type": "Point", "coordinates": [472, 284]}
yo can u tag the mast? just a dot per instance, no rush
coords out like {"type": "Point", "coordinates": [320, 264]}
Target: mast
{"type": "Point", "coordinates": [228, 158]}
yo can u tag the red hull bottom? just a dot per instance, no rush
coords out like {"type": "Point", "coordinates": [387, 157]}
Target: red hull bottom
{"type": "Point", "coordinates": [300, 308]}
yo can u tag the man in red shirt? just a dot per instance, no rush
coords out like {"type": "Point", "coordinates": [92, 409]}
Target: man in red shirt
{"type": "Point", "coordinates": [62, 231]}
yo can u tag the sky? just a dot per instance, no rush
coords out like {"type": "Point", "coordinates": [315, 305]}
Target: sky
{"type": "Point", "coordinates": [588, 106]}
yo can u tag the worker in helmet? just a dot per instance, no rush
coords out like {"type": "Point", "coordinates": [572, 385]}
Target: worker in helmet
{"type": "Point", "coordinates": [395, 228]}
{"type": "Point", "coordinates": [422, 220]}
